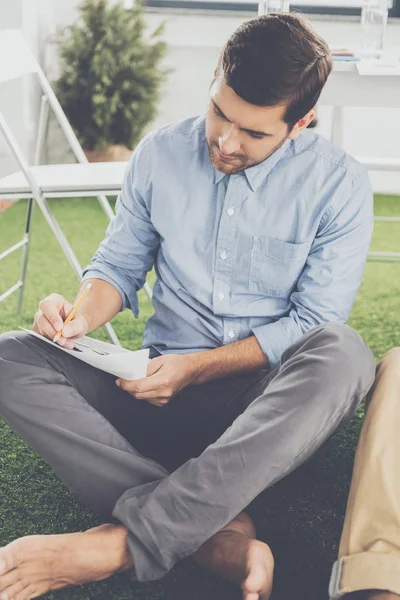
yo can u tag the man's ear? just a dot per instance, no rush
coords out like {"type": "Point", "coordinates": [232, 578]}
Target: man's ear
{"type": "Point", "coordinates": [302, 124]}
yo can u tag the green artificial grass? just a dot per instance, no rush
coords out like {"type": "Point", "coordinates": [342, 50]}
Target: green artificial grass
{"type": "Point", "coordinates": [300, 517]}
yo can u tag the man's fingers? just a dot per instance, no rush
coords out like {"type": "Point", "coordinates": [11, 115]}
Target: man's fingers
{"type": "Point", "coordinates": [156, 395]}
{"type": "Point", "coordinates": [154, 401]}
{"type": "Point", "coordinates": [51, 307]}
{"type": "Point", "coordinates": [73, 328]}
{"type": "Point", "coordinates": [66, 309]}
{"type": "Point", "coordinates": [43, 326]}
{"type": "Point", "coordinates": [139, 386]}
{"type": "Point", "coordinates": [160, 403]}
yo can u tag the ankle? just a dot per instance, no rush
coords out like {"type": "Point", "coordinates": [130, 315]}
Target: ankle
{"type": "Point", "coordinates": [116, 538]}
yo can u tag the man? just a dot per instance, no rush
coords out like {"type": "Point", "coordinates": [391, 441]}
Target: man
{"type": "Point", "coordinates": [258, 230]}
{"type": "Point", "coordinates": [369, 555]}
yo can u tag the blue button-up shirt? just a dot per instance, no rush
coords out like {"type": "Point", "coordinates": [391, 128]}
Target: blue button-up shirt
{"type": "Point", "coordinates": [272, 251]}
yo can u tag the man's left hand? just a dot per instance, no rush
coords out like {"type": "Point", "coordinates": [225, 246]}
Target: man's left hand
{"type": "Point", "coordinates": [166, 375]}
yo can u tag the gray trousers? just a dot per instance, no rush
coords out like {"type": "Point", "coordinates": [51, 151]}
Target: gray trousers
{"type": "Point", "coordinates": [176, 475]}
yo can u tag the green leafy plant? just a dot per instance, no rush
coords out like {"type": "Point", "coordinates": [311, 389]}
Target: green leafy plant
{"type": "Point", "coordinates": [110, 74]}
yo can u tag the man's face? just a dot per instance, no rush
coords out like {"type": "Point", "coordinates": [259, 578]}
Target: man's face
{"type": "Point", "coordinates": [241, 135]}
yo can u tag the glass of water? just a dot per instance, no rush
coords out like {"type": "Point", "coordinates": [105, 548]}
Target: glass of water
{"type": "Point", "coordinates": [374, 16]}
{"type": "Point", "coordinates": [273, 6]}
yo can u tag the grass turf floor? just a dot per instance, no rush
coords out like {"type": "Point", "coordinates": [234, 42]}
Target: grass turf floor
{"type": "Point", "coordinates": [300, 517]}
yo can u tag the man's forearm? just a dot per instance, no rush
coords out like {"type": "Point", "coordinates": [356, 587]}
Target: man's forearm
{"type": "Point", "coordinates": [237, 357]}
{"type": "Point", "coordinates": [101, 305]}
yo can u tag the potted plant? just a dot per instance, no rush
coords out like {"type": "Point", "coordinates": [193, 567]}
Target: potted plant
{"type": "Point", "coordinates": [110, 77]}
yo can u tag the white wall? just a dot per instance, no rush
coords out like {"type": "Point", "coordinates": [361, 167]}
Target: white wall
{"type": "Point", "coordinates": [19, 99]}
{"type": "Point", "coordinates": [194, 41]}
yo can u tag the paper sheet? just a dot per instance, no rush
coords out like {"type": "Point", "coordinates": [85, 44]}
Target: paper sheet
{"type": "Point", "coordinates": [381, 66]}
{"type": "Point", "coordinates": [110, 358]}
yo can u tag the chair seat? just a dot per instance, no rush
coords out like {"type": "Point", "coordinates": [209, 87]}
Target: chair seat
{"type": "Point", "coordinates": [66, 180]}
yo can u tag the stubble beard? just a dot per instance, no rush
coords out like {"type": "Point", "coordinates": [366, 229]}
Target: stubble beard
{"type": "Point", "coordinates": [245, 163]}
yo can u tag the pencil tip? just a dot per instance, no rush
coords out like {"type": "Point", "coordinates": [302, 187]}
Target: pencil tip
{"type": "Point", "coordinates": [90, 285]}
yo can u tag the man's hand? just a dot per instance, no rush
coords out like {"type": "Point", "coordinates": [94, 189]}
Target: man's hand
{"type": "Point", "coordinates": [166, 375]}
{"type": "Point", "coordinates": [53, 310]}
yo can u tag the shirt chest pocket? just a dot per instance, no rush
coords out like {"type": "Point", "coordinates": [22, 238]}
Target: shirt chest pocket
{"type": "Point", "coordinates": [276, 266]}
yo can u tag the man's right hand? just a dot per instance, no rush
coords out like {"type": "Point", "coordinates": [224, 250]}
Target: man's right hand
{"type": "Point", "coordinates": [50, 317]}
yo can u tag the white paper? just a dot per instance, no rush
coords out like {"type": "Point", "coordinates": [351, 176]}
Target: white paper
{"type": "Point", "coordinates": [379, 66]}
{"type": "Point", "coordinates": [116, 360]}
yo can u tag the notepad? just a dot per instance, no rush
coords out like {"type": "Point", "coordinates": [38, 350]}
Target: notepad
{"type": "Point", "coordinates": [107, 357]}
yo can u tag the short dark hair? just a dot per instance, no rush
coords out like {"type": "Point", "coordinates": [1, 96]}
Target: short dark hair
{"type": "Point", "coordinates": [277, 59]}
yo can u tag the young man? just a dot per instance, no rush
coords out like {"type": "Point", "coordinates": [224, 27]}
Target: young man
{"type": "Point", "coordinates": [258, 230]}
{"type": "Point", "coordinates": [369, 555]}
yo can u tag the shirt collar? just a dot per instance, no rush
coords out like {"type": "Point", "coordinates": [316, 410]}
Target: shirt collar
{"type": "Point", "coordinates": [256, 175]}
{"type": "Point", "coordinates": [218, 175]}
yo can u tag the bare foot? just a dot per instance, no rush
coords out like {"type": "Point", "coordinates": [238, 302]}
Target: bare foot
{"type": "Point", "coordinates": [33, 565]}
{"type": "Point", "coordinates": [234, 554]}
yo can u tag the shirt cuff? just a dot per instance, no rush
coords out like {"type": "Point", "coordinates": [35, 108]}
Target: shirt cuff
{"type": "Point", "coordinates": [273, 339]}
{"type": "Point", "coordinates": [129, 298]}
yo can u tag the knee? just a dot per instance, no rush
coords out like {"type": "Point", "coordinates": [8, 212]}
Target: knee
{"type": "Point", "coordinates": [10, 345]}
{"type": "Point", "coordinates": [7, 341]}
{"type": "Point", "coordinates": [349, 360]}
{"type": "Point", "coordinates": [10, 353]}
{"type": "Point", "coordinates": [391, 362]}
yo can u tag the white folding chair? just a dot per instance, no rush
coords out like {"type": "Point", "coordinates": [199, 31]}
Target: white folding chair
{"type": "Point", "coordinates": [37, 183]}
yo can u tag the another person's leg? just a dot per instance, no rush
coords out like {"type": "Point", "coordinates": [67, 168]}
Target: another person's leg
{"type": "Point", "coordinates": [369, 555]}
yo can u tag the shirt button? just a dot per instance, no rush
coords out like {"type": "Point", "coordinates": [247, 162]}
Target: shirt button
{"type": "Point", "coordinates": [223, 255]}
{"type": "Point", "coordinates": [231, 333]}
{"type": "Point", "coordinates": [221, 295]}
{"type": "Point", "coordinates": [230, 211]}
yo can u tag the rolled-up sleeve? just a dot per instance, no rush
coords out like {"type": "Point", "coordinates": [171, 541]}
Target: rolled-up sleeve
{"type": "Point", "coordinates": [328, 284]}
{"type": "Point", "coordinates": [128, 251]}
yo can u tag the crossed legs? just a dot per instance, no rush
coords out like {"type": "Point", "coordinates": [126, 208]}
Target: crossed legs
{"type": "Point", "coordinates": [155, 506]}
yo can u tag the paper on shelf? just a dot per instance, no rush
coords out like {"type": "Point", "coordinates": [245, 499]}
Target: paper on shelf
{"type": "Point", "coordinates": [107, 357]}
{"type": "Point", "coordinates": [379, 66]}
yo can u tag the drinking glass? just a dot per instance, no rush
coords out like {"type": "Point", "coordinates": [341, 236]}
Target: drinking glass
{"type": "Point", "coordinates": [273, 6]}
{"type": "Point", "coordinates": [374, 16]}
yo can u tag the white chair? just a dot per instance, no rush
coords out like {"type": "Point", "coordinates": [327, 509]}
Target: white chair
{"type": "Point", "coordinates": [37, 183]}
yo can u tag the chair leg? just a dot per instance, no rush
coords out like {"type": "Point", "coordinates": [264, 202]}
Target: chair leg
{"type": "Point", "coordinates": [25, 254]}
{"type": "Point", "coordinates": [68, 251]}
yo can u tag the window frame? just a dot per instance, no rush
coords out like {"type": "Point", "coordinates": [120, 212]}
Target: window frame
{"type": "Point", "coordinates": [238, 6]}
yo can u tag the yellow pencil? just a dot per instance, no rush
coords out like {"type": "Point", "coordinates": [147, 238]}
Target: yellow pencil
{"type": "Point", "coordinates": [73, 310]}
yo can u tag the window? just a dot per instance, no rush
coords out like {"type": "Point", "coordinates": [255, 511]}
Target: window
{"type": "Point", "coordinates": [333, 7]}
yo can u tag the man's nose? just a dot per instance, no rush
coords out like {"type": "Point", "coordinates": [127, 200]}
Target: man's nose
{"type": "Point", "coordinates": [229, 142]}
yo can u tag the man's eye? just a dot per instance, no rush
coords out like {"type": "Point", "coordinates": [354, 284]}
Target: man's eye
{"type": "Point", "coordinates": [255, 136]}
{"type": "Point", "coordinates": [216, 111]}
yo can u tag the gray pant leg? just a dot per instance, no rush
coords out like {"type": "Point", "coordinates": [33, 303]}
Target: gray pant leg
{"type": "Point", "coordinates": [40, 401]}
{"type": "Point", "coordinates": [322, 379]}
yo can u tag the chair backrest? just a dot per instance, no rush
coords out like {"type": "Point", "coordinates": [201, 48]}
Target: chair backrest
{"type": "Point", "coordinates": [17, 57]}
{"type": "Point", "coordinates": [21, 61]}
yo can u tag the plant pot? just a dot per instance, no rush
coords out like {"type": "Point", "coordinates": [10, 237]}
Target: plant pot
{"type": "Point", "coordinates": [113, 153]}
